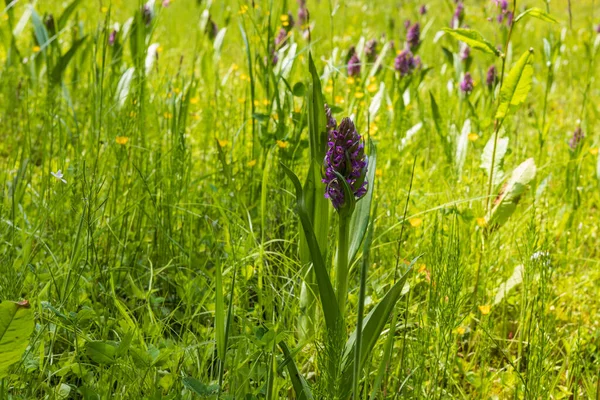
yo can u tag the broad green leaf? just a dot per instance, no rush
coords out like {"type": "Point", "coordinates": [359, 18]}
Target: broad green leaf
{"type": "Point", "coordinates": [536, 13]}
{"type": "Point", "coordinates": [462, 145]}
{"type": "Point", "coordinates": [300, 385]}
{"type": "Point", "coordinates": [64, 17]}
{"type": "Point", "coordinates": [374, 323]}
{"type": "Point", "coordinates": [376, 102]}
{"type": "Point", "coordinates": [515, 279]}
{"type": "Point", "coordinates": [299, 89]}
{"type": "Point", "coordinates": [473, 39]}
{"type": "Point", "coordinates": [64, 60]}
{"type": "Point", "coordinates": [327, 295]}
{"type": "Point", "coordinates": [41, 34]}
{"type": "Point", "coordinates": [317, 120]}
{"type": "Point", "coordinates": [487, 155]}
{"type": "Point", "coordinates": [516, 85]}
{"type": "Point", "coordinates": [510, 194]}
{"type": "Point", "coordinates": [102, 352]}
{"type": "Point", "coordinates": [16, 325]}
{"type": "Point", "coordinates": [200, 388]}
{"type": "Point", "coordinates": [439, 127]}
{"type": "Point", "coordinates": [124, 85]}
{"type": "Point", "coordinates": [360, 218]}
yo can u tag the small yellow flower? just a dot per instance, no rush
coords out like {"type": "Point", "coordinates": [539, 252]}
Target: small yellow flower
{"type": "Point", "coordinates": [244, 77]}
{"type": "Point", "coordinates": [415, 222]}
{"type": "Point", "coordinates": [36, 49]}
{"type": "Point", "coordinates": [339, 99]}
{"type": "Point", "coordinates": [372, 88]}
{"type": "Point", "coordinates": [194, 100]}
{"type": "Point", "coordinates": [168, 115]}
{"type": "Point", "coordinates": [5, 17]}
{"type": "Point", "coordinates": [390, 107]}
{"type": "Point", "coordinates": [359, 95]}
{"type": "Point", "coordinates": [104, 9]}
{"type": "Point", "coordinates": [460, 330]}
{"type": "Point", "coordinates": [241, 100]}
{"type": "Point", "coordinates": [350, 80]}
{"type": "Point", "coordinates": [122, 140]}
{"type": "Point", "coordinates": [485, 309]}
{"type": "Point", "coordinates": [378, 173]}
{"type": "Point", "coordinates": [177, 90]}
{"type": "Point", "coordinates": [251, 163]}
{"type": "Point", "coordinates": [281, 144]}
{"type": "Point", "coordinates": [473, 136]}
{"type": "Point", "coordinates": [265, 102]}
{"type": "Point", "coordinates": [243, 9]}
{"type": "Point", "coordinates": [594, 151]}
{"type": "Point", "coordinates": [234, 67]}
{"type": "Point", "coordinates": [328, 89]}
{"type": "Point", "coordinates": [256, 103]}
{"type": "Point", "coordinates": [481, 222]}
{"type": "Point", "coordinates": [284, 17]}
{"type": "Point", "coordinates": [223, 142]}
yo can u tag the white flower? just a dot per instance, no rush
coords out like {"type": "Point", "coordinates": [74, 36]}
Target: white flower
{"type": "Point", "coordinates": [59, 175]}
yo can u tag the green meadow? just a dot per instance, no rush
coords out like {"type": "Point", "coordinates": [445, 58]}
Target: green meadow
{"type": "Point", "coordinates": [299, 199]}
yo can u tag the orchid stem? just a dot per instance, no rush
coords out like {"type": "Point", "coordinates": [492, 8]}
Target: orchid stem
{"type": "Point", "coordinates": [342, 264]}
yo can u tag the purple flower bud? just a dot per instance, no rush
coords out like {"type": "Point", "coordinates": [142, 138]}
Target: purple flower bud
{"type": "Point", "coordinates": [371, 50]}
{"type": "Point", "coordinates": [211, 29]}
{"type": "Point", "coordinates": [503, 5]}
{"type": "Point", "coordinates": [509, 18]}
{"type": "Point", "coordinates": [490, 79]}
{"type": "Point", "coordinates": [413, 36]}
{"type": "Point", "coordinates": [576, 139]}
{"type": "Point", "coordinates": [407, 24]}
{"type": "Point", "coordinates": [598, 28]}
{"type": "Point", "coordinates": [290, 21]}
{"type": "Point", "coordinates": [331, 122]}
{"type": "Point", "coordinates": [112, 38]}
{"type": "Point", "coordinates": [466, 85]}
{"type": "Point", "coordinates": [346, 157]}
{"type": "Point", "coordinates": [423, 10]}
{"type": "Point", "coordinates": [405, 63]}
{"type": "Point", "coordinates": [147, 13]}
{"type": "Point", "coordinates": [281, 37]}
{"type": "Point", "coordinates": [459, 14]}
{"type": "Point", "coordinates": [166, 3]}
{"type": "Point", "coordinates": [354, 65]}
{"type": "Point", "coordinates": [465, 52]}
{"type": "Point", "coordinates": [302, 12]}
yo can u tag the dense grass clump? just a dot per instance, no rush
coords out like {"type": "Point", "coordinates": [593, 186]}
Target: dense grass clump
{"type": "Point", "coordinates": [314, 199]}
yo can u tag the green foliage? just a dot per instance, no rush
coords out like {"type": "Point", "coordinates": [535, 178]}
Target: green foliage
{"type": "Point", "coordinates": [473, 39]}
{"type": "Point", "coordinates": [16, 325]}
{"type": "Point", "coordinates": [516, 86]}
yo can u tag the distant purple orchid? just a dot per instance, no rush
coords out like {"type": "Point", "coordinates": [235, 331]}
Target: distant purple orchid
{"type": "Point", "coordinates": [413, 36]}
{"type": "Point", "coordinates": [466, 85]}
{"type": "Point", "coordinates": [458, 16]}
{"type": "Point", "coordinates": [423, 9]}
{"type": "Point", "coordinates": [371, 50]}
{"type": "Point", "coordinates": [490, 79]}
{"type": "Point", "coordinates": [576, 139]}
{"type": "Point", "coordinates": [353, 65]}
{"type": "Point", "coordinates": [405, 62]}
